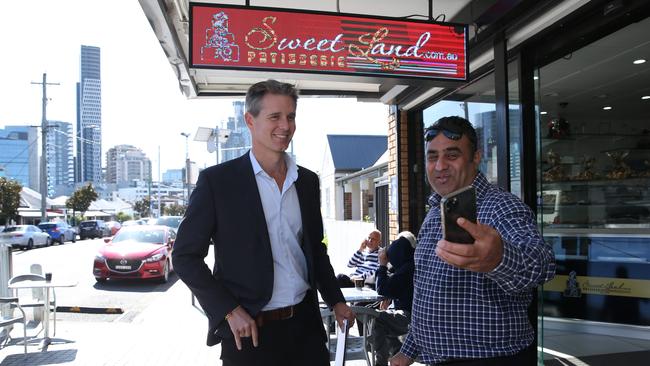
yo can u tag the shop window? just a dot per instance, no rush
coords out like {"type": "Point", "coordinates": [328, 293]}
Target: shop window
{"type": "Point", "coordinates": [594, 137]}
{"type": "Point", "coordinates": [477, 104]}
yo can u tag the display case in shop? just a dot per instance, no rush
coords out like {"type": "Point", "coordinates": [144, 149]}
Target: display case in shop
{"type": "Point", "coordinates": [595, 212]}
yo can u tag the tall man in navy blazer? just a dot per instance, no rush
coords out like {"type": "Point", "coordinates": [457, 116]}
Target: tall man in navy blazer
{"type": "Point", "coordinates": [262, 212]}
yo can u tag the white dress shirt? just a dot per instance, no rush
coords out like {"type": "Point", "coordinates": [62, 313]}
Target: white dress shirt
{"type": "Point", "coordinates": [283, 220]}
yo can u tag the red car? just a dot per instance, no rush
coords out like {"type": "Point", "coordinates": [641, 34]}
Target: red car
{"type": "Point", "coordinates": [136, 252]}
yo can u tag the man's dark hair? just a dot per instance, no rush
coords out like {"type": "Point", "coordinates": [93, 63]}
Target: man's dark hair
{"type": "Point", "coordinates": [257, 91]}
{"type": "Point", "coordinates": [453, 127]}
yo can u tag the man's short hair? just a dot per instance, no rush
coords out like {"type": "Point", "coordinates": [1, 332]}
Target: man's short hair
{"type": "Point", "coordinates": [453, 127]}
{"type": "Point", "coordinates": [257, 91]}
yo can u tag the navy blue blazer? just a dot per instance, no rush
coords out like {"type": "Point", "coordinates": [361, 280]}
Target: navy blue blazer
{"type": "Point", "coordinates": [225, 207]}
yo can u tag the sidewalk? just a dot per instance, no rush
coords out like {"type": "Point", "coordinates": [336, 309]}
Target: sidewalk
{"type": "Point", "coordinates": [170, 332]}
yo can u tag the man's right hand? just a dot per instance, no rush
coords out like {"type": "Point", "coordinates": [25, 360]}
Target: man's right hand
{"type": "Point", "coordinates": [364, 244]}
{"type": "Point", "coordinates": [400, 359]}
{"type": "Point", "coordinates": [242, 325]}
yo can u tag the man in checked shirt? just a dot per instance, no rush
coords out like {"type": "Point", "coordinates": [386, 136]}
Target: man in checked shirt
{"type": "Point", "coordinates": [470, 301]}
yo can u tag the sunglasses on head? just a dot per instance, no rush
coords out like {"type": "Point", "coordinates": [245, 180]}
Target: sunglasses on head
{"type": "Point", "coordinates": [432, 132]}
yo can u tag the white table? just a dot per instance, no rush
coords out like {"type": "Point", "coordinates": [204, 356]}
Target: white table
{"type": "Point", "coordinates": [353, 294]}
{"type": "Point", "coordinates": [46, 285]}
{"type": "Point", "coordinates": [364, 294]}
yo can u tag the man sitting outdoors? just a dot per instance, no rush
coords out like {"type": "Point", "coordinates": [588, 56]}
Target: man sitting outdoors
{"type": "Point", "coordinates": [395, 283]}
{"type": "Point", "coordinates": [364, 260]}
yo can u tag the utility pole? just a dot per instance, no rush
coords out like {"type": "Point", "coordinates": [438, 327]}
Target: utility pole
{"type": "Point", "coordinates": [160, 213]}
{"type": "Point", "coordinates": [187, 167]}
{"type": "Point", "coordinates": [43, 178]}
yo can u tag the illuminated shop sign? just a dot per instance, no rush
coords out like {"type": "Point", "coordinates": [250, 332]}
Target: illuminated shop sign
{"type": "Point", "coordinates": [577, 286]}
{"type": "Point", "coordinates": [231, 37]}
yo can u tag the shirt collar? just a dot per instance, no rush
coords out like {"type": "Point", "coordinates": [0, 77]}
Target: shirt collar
{"type": "Point", "coordinates": [292, 168]}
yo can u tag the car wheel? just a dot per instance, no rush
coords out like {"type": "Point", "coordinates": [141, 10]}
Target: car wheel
{"type": "Point", "coordinates": [61, 239]}
{"type": "Point", "coordinates": [165, 276]}
{"type": "Point", "coordinates": [100, 279]}
{"type": "Point", "coordinates": [74, 238]}
{"type": "Point", "coordinates": [48, 242]}
{"type": "Point", "coordinates": [30, 244]}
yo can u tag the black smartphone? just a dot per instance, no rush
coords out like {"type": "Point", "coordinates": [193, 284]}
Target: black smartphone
{"type": "Point", "coordinates": [460, 203]}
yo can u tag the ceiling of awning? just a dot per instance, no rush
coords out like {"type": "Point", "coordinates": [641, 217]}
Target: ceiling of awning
{"type": "Point", "coordinates": [170, 22]}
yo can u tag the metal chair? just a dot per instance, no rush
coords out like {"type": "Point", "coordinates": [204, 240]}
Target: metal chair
{"type": "Point", "coordinates": [13, 303]}
{"type": "Point", "coordinates": [357, 347]}
{"type": "Point", "coordinates": [37, 298]}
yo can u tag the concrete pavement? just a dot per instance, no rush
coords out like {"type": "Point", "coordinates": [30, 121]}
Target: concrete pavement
{"type": "Point", "coordinates": [169, 332]}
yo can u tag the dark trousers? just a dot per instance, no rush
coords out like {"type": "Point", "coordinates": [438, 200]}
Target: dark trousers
{"type": "Point", "coordinates": [296, 341]}
{"type": "Point", "coordinates": [526, 357]}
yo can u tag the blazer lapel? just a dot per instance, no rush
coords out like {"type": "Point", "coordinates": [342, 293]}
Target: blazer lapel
{"type": "Point", "coordinates": [253, 199]}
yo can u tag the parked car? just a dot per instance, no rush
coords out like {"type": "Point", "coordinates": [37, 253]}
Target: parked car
{"type": "Point", "coordinates": [25, 236]}
{"type": "Point", "coordinates": [171, 221]}
{"type": "Point", "coordinates": [114, 226]}
{"type": "Point", "coordinates": [136, 252]}
{"type": "Point", "coordinates": [93, 229]}
{"type": "Point", "coordinates": [132, 222]}
{"type": "Point", "coordinates": [59, 231]}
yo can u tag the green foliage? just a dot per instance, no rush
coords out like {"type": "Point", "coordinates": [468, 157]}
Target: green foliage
{"type": "Point", "coordinates": [9, 199]}
{"type": "Point", "coordinates": [143, 207]}
{"type": "Point", "coordinates": [175, 210]}
{"type": "Point", "coordinates": [121, 217]}
{"type": "Point", "coordinates": [81, 199]}
{"type": "Point", "coordinates": [76, 219]}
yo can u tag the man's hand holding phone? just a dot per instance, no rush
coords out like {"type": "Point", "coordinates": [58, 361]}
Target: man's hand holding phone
{"type": "Point", "coordinates": [467, 243]}
{"type": "Point", "coordinates": [482, 256]}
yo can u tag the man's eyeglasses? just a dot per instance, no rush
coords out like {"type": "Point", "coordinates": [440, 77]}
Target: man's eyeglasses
{"type": "Point", "coordinates": [432, 132]}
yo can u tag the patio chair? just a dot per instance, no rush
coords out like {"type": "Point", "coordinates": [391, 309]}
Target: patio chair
{"type": "Point", "coordinates": [357, 347]}
{"type": "Point", "coordinates": [37, 298]}
{"type": "Point", "coordinates": [13, 303]}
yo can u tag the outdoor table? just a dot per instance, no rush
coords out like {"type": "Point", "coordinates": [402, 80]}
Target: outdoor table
{"type": "Point", "coordinates": [364, 294]}
{"type": "Point", "coordinates": [47, 285]}
{"type": "Point", "coordinates": [353, 294]}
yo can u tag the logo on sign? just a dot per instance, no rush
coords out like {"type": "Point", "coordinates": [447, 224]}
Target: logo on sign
{"type": "Point", "coordinates": [220, 40]}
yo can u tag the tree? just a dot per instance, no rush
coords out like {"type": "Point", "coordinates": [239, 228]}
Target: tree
{"type": "Point", "coordinates": [175, 210]}
{"type": "Point", "coordinates": [121, 217]}
{"type": "Point", "coordinates": [143, 207]}
{"type": "Point", "coordinates": [81, 199]}
{"type": "Point", "coordinates": [9, 199]}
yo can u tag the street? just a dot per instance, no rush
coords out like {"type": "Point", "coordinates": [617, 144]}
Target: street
{"type": "Point", "coordinates": [73, 261]}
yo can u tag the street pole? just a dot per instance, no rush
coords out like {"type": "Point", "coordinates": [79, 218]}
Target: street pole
{"type": "Point", "coordinates": [43, 170]}
{"type": "Point", "coordinates": [159, 181]}
{"type": "Point", "coordinates": [187, 168]}
{"type": "Point", "coordinates": [216, 131]}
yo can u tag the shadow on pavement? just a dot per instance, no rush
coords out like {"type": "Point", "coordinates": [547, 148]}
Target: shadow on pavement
{"type": "Point", "coordinates": [40, 358]}
{"type": "Point", "coordinates": [136, 285]}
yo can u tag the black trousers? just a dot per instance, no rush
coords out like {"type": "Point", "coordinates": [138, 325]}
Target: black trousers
{"type": "Point", "coordinates": [527, 357]}
{"type": "Point", "coordinates": [297, 341]}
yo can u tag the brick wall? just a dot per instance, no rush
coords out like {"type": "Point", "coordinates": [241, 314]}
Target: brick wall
{"type": "Point", "coordinates": [399, 169]}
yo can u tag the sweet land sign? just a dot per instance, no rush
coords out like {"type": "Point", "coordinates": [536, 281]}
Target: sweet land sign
{"type": "Point", "coordinates": [237, 38]}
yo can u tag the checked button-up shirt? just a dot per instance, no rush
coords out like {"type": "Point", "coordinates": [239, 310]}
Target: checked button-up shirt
{"type": "Point", "coordinates": [459, 314]}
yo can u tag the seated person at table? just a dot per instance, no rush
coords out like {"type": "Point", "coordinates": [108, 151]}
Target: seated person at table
{"type": "Point", "coordinates": [395, 284]}
{"type": "Point", "coordinates": [364, 261]}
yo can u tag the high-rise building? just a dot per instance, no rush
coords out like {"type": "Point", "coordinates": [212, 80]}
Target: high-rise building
{"type": "Point", "coordinates": [89, 117]}
{"type": "Point", "coordinates": [60, 162]}
{"type": "Point", "coordinates": [172, 176]}
{"type": "Point", "coordinates": [126, 163]}
{"type": "Point", "coordinates": [239, 140]}
{"type": "Point", "coordinates": [18, 152]}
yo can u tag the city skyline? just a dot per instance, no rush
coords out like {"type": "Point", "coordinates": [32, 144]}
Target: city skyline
{"type": "Point", "coordinates": [141, 101]}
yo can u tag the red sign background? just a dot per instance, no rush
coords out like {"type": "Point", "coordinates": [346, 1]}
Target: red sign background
{"type": "Point", "coordinates": [269, 39]}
